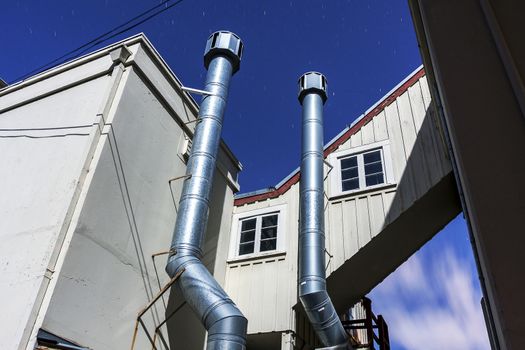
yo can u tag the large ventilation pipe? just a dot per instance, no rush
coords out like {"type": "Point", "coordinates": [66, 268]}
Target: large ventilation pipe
{"type": "Point", "coordinates": [312, 277]}
{"type": "Point", "coordinates": [222, 319]}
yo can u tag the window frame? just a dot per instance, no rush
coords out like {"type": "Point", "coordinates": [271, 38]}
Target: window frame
{"type": "Point", "coordinates": [336, 185]}
{"type": "Point", "coordinates": [280, 210]}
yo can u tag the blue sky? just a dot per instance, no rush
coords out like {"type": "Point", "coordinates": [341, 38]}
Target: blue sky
{"type": "Point", "coordinates": [363, 47]}
{"type": "Point", "coordinates": [434, 297]}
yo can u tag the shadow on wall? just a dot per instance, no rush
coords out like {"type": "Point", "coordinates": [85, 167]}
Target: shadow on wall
{"type": "Point", "coordinates": [184, 327]}
{"type": "Point", "coordinates": [424, 201]}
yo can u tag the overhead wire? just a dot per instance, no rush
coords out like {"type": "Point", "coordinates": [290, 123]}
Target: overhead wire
{"type": "Point", "coordinates": [121, 28]}
{"type": "Point", "coordinates": [133, 26]}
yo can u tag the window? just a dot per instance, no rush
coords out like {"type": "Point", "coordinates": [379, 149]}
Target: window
{"type": "Point", "coordinates": [257, 232]}
{"type": "Point", "coordinates": [361, 168]}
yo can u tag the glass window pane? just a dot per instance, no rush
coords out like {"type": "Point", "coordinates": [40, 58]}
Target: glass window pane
{"type": "Point", "coordinates": [349, 173]}
{"type": "Point", "coordinates": [374, 179]}
{"type": "Point", "coordinates": [269, 232]}
{"type": "Point", "coordinates": [269, 221]}
{"type": "Point", "coordinates": [348, 162]}
{"type": "Point", "coordinates": [350, 184]}
{"type": "Point", "coordinates": [248, 224]}
{"type": "Point", "coordinates": [269, 244]}
{"type": "Point", "coordinates": [372, 157]}
{"type": "Point", "coordinates": [246, 248]}
{"type": "Point", "coordinates": [372, 168]}
{"type": "Point", "coordinates": [248, 236]}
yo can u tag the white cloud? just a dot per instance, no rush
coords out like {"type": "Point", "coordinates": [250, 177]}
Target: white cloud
{"type": "Point", "coordinates": [435, 305]}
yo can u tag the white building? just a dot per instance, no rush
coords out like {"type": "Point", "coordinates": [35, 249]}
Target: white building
{"type": "Point", "coordinates": [93, 154]}
{"type": "Point", "coordinates": [373, 222]}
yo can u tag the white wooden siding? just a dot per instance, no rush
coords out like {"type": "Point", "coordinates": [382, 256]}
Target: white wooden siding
{"type": "Point", "coordinates": [418, 162]}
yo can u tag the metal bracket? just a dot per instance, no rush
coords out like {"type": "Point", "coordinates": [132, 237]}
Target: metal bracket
{"type": "Point", "coordinates": [192, 121]}
{"type": "Point", "coordinates": [329, 170]}
{"type": "Point", "coordinates": [147, 307]}
{"type": "Point", "coordinates": [330, 257]}
{"type": "Point", "coordinates": [179, 177]}
{"type": "Point", "coordinates": [197, 91]}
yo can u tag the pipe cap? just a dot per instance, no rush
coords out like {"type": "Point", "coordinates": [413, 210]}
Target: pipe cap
{"type": "Point", "coordinates": [224, 43]}
{"type": "Point", "coordinates": [312, 82]}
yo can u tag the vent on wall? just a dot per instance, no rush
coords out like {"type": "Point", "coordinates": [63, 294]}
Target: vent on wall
{"type": "Point", "coordinates": [186, 149]}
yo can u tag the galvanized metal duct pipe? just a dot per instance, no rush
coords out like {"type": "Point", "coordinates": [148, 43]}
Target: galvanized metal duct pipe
{"type": "Point", "coordinates": [312, 277]}
{"type": "Point", "coordinates": [225, 324]}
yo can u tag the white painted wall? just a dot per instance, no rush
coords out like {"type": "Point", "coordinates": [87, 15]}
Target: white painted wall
{"type": "Point", "coordinates": [84, 208]}
{"type": "Point", "coordinates": [44, 147]}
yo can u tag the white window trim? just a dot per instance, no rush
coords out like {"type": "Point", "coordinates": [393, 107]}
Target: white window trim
{"type": "Point", "coordinates": [236, 229]}
{"type": "Point", "coordinates": [335, 174]}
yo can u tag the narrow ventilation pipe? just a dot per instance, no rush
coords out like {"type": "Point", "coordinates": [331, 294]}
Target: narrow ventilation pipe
{"type": "Point", "coordinates": [312, 277]}
{"type": "Point", "coordinates": [225, 324]}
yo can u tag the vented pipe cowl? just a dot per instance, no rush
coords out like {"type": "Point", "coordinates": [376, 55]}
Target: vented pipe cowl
{"type": "Point", "coordinates": [225, 43]}
{"type": "Point", "coordinates": [313, 82]}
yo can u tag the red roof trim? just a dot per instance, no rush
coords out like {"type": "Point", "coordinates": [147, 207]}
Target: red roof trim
{"type": "Point", "coordinates": [342, 139]}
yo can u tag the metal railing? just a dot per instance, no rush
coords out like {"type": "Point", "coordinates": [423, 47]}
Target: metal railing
{"type": "Point", "coordinates": [369, 330]}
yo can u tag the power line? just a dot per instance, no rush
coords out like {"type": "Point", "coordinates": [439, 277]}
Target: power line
{"type": "Point", "coordinates": [133, 26]}
{"type": "Point", "coordinates": [103, 37]}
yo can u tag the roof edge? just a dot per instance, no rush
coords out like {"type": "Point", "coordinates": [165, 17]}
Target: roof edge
{"type": "Point", "coordinates": [139, 38]}
{"type": "Point", "coordinates": [285, 184]}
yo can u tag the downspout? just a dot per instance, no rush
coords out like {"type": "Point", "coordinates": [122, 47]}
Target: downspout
{"type": "Point", "coordinates": [312, 278]}
{"type": "Point", "coordinates": [225, 324]}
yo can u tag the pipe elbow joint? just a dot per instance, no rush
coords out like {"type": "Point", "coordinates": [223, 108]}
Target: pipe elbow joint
{"type": "Point", "coordinates": [225, 323]}
{"type": "Point", "coordinates": [177, 262]}
{"type": "Point", "coordinates": [229, 330]}
{"type": "Point", "coordinates": [324, 319]}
